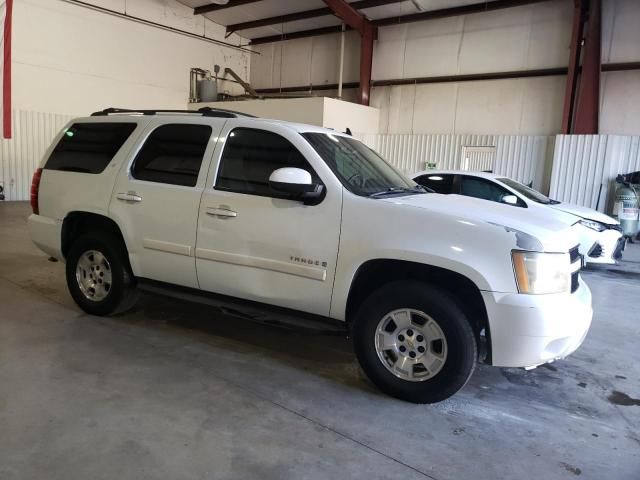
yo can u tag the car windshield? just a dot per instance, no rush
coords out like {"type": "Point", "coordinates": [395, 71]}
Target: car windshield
{"type": "Point", "coordinates": [361, 170]}
{"type": "Point", "coordinates": [527, 192]}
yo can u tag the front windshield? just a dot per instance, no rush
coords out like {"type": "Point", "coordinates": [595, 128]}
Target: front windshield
{"type": "Point", "coordinates": [528, 192]}
{"type": "Point", "coordinates": [360, 169]}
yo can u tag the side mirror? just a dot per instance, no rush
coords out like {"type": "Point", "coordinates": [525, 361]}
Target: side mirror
{"type": "Point", "coordinates": [510, 199]}
{"type": "Point", "coordinates": [296, 182]}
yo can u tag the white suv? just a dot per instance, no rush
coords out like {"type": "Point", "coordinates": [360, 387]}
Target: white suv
{"type": "Point", "coordinates": [293, 223]}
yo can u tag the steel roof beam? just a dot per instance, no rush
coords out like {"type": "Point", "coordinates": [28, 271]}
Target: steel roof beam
{"type": "Point", "coordinates": [414, 17]}
{"type": "Point", "coordinates": [293, 17]}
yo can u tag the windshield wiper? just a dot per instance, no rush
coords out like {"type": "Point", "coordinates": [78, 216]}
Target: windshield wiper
{"type": "Point", "coordinates": [393, 190]}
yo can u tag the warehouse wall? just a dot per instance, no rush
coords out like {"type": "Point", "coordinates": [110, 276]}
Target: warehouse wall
{"type": "Point", "coordinates": [620, 91]}
{"type": "Point", "coordinates": [585, 168]}
{"type": "Point", "coordinates": [70, 61]}
{"type": "Point", "coordinates": [526, 158]}
{"type": "Point", "coordinates": [306, 61]}
{"type": "Point", "coordinates": [522, 38]}
{"type": "Point", "coordinates": [528, 37]}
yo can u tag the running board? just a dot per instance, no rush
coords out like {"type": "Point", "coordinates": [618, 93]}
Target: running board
{"type": "Point", "coordinates": [248, 310]}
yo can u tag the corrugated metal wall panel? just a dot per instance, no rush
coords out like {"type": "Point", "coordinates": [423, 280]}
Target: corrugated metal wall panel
{"type": "Point", "coordinates": [522, 157]}
{"type": "Point", "coordinates": [583, 164]}
{"type": "Point", "coordinates": [19, 156]}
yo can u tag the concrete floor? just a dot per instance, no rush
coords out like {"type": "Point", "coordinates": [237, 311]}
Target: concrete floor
{"type": "Point", "coordinates": [176, 391]}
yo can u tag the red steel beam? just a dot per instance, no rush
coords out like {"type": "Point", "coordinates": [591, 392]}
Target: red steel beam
{"type": "Point", "coordinates": [368, 33]}
{"type": "Point", "coordinates": [347, 14]}
{"type": "Point", "coordinates": [574, 65]}
{"type": "Point", "coordinates": [366, 61]}
{"type": "Point", "coordinates": [588, 101]}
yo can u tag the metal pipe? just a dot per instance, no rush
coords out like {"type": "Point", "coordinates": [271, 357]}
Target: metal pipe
{"type": "Point", "coordinates": [194, 73]}
{"type": "Point", "coordinates": [149, 23]}
{"type": "Point", "coordinates": [247, 88]}
{"type": "Point", "coordinates": [341, 62]}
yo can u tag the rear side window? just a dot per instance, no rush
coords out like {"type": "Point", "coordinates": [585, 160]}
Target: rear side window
{"type": "Point", "coordinates": [437, 183]}
{"type": "Point", "coordinates": [89, 147]}
{"type": "Point", "coordinates": [249, 158]}
{"type": "Point", "coordinates": [172, 154]}
{"type": "Point", "coordinates": [481, 188]}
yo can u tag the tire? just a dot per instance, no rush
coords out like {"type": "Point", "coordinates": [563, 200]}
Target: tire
{"type": "Point", "coordinates": [109, 262]}
{"type": "Point", "coordinates": [449, 350]}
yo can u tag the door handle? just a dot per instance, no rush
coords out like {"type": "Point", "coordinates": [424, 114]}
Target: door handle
{"type": "Point", "coordinates": [129, 197]}
{"type": "Point", "coordinates": [221, 211]}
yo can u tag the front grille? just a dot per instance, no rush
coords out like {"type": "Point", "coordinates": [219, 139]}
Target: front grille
{"type": "Point", "coordinates": [596, 251]}
{"type": "Point", "coordinates": [574, 256]}
{"type": "Point", "coordinates": [617, 253]}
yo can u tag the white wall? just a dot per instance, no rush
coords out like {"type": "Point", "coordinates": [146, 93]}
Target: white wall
{"type": "Point", "coordinates": [529, 37]}
{"type": "Point", "coordinates": [585, 168]}
{"type": "Point", "coordinates": [70, 61]}
{"type": "Point", "coordinates": [305, 61]}
{"type": "Point", "coordinates": [525, 106]}
{"type": "Point", "coordinates": [73, 60]}
{"type": "Point", "coordinates": [620, 91]}
{"type": "Point", "coordinates": [321, 111]}
{"type": "Point", "coordinates": [525, 158]}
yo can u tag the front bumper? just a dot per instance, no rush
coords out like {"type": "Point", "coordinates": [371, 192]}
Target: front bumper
{"type": "Point", "coordinates": [529, 330]}
{"type": "Point", "coordinates": [601, 247]}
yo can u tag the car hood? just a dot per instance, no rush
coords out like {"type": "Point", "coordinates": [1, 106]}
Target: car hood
{"type": "Point", "coordinates": [585, 212]}
{"type": "Point", "coordinates": [552, 230]}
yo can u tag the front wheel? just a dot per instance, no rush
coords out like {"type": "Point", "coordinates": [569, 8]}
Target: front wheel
{"type": "Point", "coordinates": [414, 342]}
{"type": "Point", "coordinates": [98, 278]}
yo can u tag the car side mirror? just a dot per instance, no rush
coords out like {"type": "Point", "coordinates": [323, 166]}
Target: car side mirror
{"type": "Point", "coordinates": [296, 182]}
{"type": "Point", "coordinates": [510, 199]}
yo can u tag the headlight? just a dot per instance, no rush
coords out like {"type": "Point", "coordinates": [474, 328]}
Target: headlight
{"type": "Point", "coordinates": [593, 225]}
{"type": "Point", "coordinates": [540, 273]}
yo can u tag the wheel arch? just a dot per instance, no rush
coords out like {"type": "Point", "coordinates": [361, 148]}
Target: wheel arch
{"type": "Point", "coordinates": [79, 222]}
{"type": "Point", "coordinates": [375, 273]}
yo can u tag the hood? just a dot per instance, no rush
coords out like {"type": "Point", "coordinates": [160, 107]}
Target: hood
{"type": "Point", "coordinates": [585, 212]}
{"type": "Point", "coordinates": [539, 229]}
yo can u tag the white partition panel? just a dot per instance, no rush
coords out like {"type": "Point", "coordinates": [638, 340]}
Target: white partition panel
{"type": "Point", "coordinates": [585, 167]}
{"type": "Point", "coordinates": [521, 157]}
{"type": "Point", "coordinates": [20, 156]}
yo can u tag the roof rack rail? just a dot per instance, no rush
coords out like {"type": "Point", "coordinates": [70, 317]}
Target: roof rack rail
{"type": "Point", "coordinates": [204, 111]}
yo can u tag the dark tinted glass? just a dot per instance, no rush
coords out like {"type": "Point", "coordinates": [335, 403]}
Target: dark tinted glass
{"type": "Point", "coordinates": [250, 156]}
{"type": "Point", "coordinates": [172, 154]}
{"type": "Point", "coordinates": [528, 192]}
{"type": "Point", "coordinates": [437, 182]}
{"type": "Point", "coordinates": [481, 188]}
{"type": "Point", "coordinates": [89, 147]}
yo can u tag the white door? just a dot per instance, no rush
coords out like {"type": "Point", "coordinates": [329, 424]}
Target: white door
{"type": "Point", "coordinates": [478, 158]}
{"type": "Point", "coordinates": [256, 244]}
{"type": "Point", "coordinates": [157, 195]}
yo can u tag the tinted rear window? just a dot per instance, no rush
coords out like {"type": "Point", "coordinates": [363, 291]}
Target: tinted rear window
{"type": "Point", "coordinates": [173, 154]}
{"type": "Point", "coordinates": [89, 147]}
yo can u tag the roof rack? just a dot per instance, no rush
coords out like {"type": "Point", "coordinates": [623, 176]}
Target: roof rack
{"type": "Point", "coordinates": [204, 111]}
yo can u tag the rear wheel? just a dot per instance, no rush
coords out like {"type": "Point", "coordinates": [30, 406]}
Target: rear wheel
{"type": "Point", "coordinates": [414, 343]}
{"type": "Point", "coordinates": [98, 277]}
